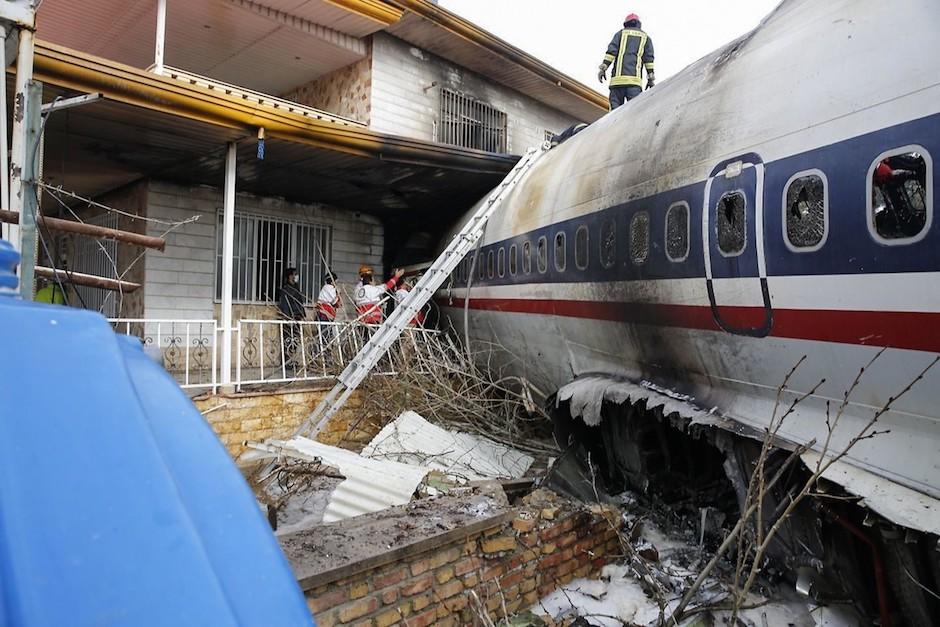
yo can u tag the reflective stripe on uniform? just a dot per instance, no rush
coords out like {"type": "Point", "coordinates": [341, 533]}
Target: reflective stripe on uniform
{"type": "Point", "coordinates": [619, 78]}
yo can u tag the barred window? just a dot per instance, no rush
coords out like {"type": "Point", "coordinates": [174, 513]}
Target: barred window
{"type": "Point", "coordinates": [581, 245]}
{"type": "Point", "coordinates": [561, 248]}
{"type": "Point", "coordinates": [513, 251]}
{"type": "Point", "coordinates": [805, 210]}
{"type": "Point", "coordinates": [640, 237]}
{"type": "Point", "coordinates": [732, 223]}
{"type": "Point", "coordinates": [264, 247]}
{"type": "Point", "coordinates": [470, 123]}
{"type": "Point", "coordinates": [677, 232]}
{"type": "Point", "coordinates": [527, 257]}
{"type": "Point", "coordinates": [608, 243]}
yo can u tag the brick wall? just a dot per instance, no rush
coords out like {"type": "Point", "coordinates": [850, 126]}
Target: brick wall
{"type": "Point", "coordinates": [504, 569]}
{"type": "Point", "coordinates": [239, 418]}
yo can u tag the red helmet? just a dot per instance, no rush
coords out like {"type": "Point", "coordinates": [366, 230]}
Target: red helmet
{"type": "Point", "coordinates": [631, 18]}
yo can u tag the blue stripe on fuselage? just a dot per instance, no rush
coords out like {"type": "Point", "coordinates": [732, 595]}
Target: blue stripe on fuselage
{"type": "Point", "coordinates": [849, 249]}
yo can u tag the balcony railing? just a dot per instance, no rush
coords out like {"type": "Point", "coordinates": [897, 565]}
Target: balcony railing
{"type": "Point", "coordinates": [186, 348]}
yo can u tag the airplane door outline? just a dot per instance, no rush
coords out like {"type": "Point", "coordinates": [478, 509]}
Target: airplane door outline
{"type": "Point", "coordinates": [746, 271]}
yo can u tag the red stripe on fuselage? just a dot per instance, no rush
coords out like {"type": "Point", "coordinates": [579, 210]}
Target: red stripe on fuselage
{"type": "Point", "coordinates": [896, 329]}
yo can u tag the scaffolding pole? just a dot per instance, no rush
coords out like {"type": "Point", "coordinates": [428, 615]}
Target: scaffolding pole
{"type": "Point", "coordinates": [160, 39]}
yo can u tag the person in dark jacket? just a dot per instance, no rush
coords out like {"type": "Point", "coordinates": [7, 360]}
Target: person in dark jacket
{"type": "Point", "coordinates": [291, 306]}
{"type": "Point", "coordinates": [630, 51]}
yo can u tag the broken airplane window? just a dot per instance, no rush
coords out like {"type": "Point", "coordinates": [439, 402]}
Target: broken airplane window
{"type": "Point", "coordinates": [677, 232]}
{"type": "Point", "coordinates": [513, 251]}
{"type": "Point", "coordinates": [731, 223]}
{"type": "Point", "coordinates": [542, 254]}
{"type": "Point", "coordinates": [581, 248]}
{"type": "Point", "coordinates": [900, 195]}
{"type": "Point", "coordinates": [640, 238]}
{"type": "Point", "coordinates": [806, 211]}
{"type": "Point", "coordinates": [608, 243]}
{"type": "Point", "coordinates": [560, 250]}
{"type": "Point", "coordinates": [490, 264]}
{"type": "Point", "coordinates": [526, 257]}
{"type": "Point", "coordinates": [501, 262]}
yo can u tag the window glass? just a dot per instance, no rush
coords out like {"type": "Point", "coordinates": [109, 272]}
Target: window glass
{"type": "Point", "coordinates": [677, 232]}
{"type": "Point", "coordinates": [608, 243]}
{"type": "Point", "coordinates": [491, 264]}
{"type": "Point", "coordinates": [581, 252]}
{"type": "Point", "coordinates": [481, 267]}
{"type": "Point", "coordinates": [527, 257]}
{"type": "Point", "coordinates": [640, 238]}
{"type": "Point", "coordinates": [542, 254]}
{"type": "Point", "coordinates": [900, 195]}
{"type": "Point", "coordinates": [501, 262]}
{"type": "Point", "coordinates": [731, 223]}
{"type": "Point", "coordinates": [513, 251]}
{"type": "Point", "coordinates": [806, 208]}
{"type": "Point", "coordinates": [560, 251]}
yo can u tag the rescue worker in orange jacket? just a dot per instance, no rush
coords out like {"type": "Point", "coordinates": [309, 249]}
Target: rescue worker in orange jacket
{"type": "Point", "coordinates": [369, 296]}
{"type": "Point", "coordinates": [630, 51]}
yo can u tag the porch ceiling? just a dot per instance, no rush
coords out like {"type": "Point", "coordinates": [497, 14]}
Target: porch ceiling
{"type": "Point", "coordinates": [266, 45]}
{"type": "Point", "coordinates": [101, 146]}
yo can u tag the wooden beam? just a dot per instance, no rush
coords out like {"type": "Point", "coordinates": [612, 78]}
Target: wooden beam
{"type": "Point", "coordinates": [70, 226]}
{"type": "Point", "coordinates": [86, 280]}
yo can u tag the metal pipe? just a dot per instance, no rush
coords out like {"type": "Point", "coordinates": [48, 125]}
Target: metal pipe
{"type": "Point", "coordinates": [24, 74]}
{"type": "Point", "coordinates": [4, 140]}
{"type": "Point", "coordinates": [86, 280]}
{"type": "Point", "coordinates": [70, 226]}
{"type": "Point", "coordinates": [228, 249]}
{"type": "Point", "coordinates": [160, 42]}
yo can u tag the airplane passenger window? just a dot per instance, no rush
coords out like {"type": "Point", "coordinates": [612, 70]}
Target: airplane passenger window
{"type": "Point", "coordinates": [581, 252]}
{"type": "Point", "coordinates": [806, 211]}
{"type": "Point", "coordinates": [526, 257]}
{"type": "Point", "coordinates": [490, 265]}
{"type": "Point", "coordinates": [677, 232]}
{"type": "Point", "coordinates": [732, 223]}
{"type": "Point", "coordinates": [501, 262]}
{"type": "Point", "coordinates": [513, 251]}
{"type": "Point", "coordinates": [481, 267]}
{"type": "Point", "coordinates": [608, 243]}
{"type": "Point", "coordinates": [542, 254]}
{"type": "Point", "coordinates": [560, 250]}
{"type": "Point", "coordinates": [901, 195]}
{"type": "Point", "coordinates": [640, 237]}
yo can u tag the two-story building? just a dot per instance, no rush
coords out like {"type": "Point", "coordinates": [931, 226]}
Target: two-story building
{"type": "Point", "coordinates": [345, 132]}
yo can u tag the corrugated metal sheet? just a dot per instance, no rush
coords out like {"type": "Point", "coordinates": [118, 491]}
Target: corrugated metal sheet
{"type": "Point", "coordinates": [411, 439]}
{"type": "Point", "coordinates": [370, 485]}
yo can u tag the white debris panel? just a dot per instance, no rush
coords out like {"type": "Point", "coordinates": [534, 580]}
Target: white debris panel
{"type": "Point", "coordinates": [899, 504]}
{"type": "Point", "coordinates": [410, 439]}
{"type": "Point", "coordinates": [371, 485]}
{"type": "Point", "coordinates": [587, 396]}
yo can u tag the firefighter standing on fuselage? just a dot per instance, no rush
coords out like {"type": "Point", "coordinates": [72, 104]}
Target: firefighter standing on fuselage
{"type": "Point", "coordinates": [630, 51]}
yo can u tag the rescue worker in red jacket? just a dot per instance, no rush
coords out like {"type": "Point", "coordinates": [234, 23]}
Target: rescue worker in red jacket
{"type": "Point", "coordinates": [369, 296]}
{"type": "Point", "coordinates": [630, 51]}
{"type": "Point", "coordinates": [328, 300]}
{"type": "Point", "coordinates": [400, 295]}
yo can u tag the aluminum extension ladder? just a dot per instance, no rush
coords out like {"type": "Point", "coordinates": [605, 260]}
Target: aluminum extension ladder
{"type": "Point", "coordinates": [387, 334]}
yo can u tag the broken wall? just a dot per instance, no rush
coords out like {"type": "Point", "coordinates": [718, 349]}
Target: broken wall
{"type": "Point", "coordinates": [255, 417]}
{"type": "Point", "coordinates": [508, 567]}
{"type": "Point", "coordinates": [347, 92]}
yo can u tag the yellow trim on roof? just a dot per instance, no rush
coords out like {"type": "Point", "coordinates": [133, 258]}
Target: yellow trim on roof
{"type": "Point", "coordinates": [377, 10]}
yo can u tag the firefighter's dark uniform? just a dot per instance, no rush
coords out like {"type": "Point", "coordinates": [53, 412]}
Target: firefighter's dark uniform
{"type": "Point", "coordinates": [630, 50]}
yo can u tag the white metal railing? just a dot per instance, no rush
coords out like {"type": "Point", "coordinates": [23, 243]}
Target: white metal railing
{"type": "Point", "coordinates": [284, 351]}
{"type": "Point", "coordinates": [186, 348]}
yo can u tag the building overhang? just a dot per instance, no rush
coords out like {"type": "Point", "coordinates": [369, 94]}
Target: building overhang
{"type": "Point", "coordinates": [154, 126]}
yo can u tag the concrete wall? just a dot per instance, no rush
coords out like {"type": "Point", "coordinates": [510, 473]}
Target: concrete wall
{"type": "Point", "coordinates": [180, 280]}
{"type": "Point", "coordinates": [508, 568]}
{"type": "Point", "coordinates": [404, 103]}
